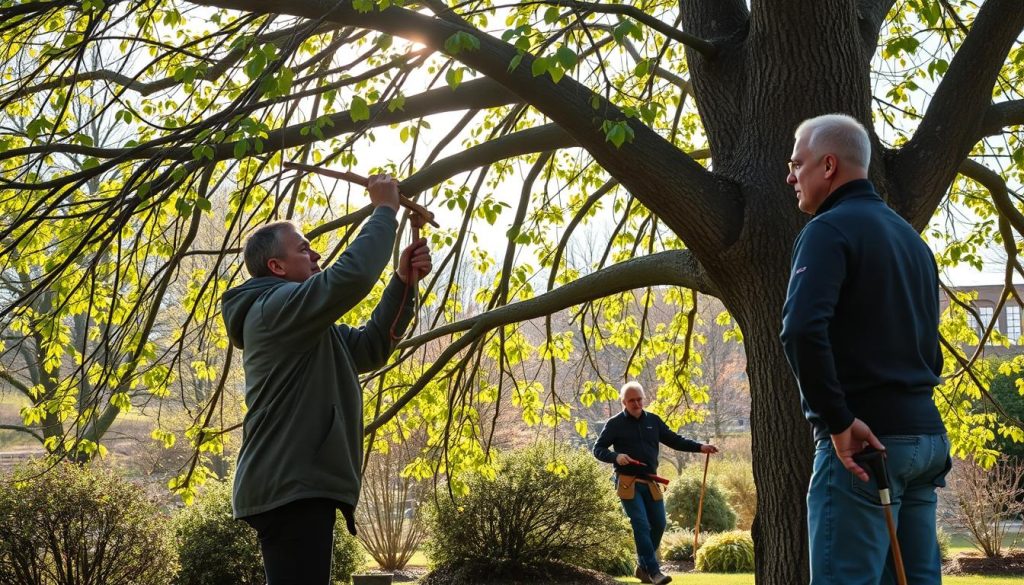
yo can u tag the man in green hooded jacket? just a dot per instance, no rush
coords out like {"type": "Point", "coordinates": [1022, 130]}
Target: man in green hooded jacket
{"type": "Point", "coordinates": [303, 431]}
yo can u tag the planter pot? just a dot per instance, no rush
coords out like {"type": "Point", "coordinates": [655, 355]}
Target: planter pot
{"type": "Point", "coordinates": [376, 579]}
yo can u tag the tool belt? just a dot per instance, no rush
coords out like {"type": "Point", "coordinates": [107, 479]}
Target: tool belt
{"type": "Point", "coordinates": [625, 487]}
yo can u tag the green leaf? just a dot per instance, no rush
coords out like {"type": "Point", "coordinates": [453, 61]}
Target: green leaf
{"type": "Point", "coordinates": [397, 103]}
{"type": "Point", "coordinates": [642, 67]}
{"type": "Point", "coordinates": [453, 77]}
{"type": "Point", "coordinates": [183, 207]}
{"type": "Point", "coordinates": [622, 30]}
{"type": "Point", "coordinates": [616, 135]}
{"type": "Point", "coordinates": [566, 57]}
{"type": "Point", "coordinates": [461, 41]}
{"type": "Point", "coordinates": [255, 66]}
{"type": "Point", "coordinates": [359, 110]}
{"type": "Point", "coordinates": [515, 62]}
{"type": "Point", "coordinates": [540, 66]}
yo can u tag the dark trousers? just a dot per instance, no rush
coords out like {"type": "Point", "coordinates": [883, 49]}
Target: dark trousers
{"type": "Point", "coordinates": [297, 541]}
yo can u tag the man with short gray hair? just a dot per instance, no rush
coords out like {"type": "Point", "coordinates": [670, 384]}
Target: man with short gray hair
{"type": "Point", "coordinates": [302, 436]}
{"type": "Point", "coordinates": [860, 331]}
{"type": "Point", "coordinates": [635, 434]}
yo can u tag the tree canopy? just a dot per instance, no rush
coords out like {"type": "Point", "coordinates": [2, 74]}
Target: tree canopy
{"type": "Point", "coordinates": [630, 155]}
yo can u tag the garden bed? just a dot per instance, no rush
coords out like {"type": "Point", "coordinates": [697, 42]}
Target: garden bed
{"type": "Point", "coordinates": [508, 574]}
{"type": "Point", "coordinates": [974, 563]}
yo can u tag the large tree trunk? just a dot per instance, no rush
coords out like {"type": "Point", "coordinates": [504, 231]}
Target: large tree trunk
{"type": "Point", "coordinates": [753, 279]}
{"type": "Point", "coordinates": [782, 464]}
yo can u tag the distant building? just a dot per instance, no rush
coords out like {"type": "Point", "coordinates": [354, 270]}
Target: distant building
{"type": "Point", "coordinates": [1008, 321]}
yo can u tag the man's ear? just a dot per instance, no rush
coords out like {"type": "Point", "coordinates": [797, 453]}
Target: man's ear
{"type": "Point", "coordinates": [831, 166]}
{"type": "Point", "coordinates": [276, 267]}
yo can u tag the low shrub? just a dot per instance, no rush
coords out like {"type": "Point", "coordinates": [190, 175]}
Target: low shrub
{"type": "Point", "coordinates": [216, 549]}
{"type": "Point", "coordinates": [349, 555]}
{"type": "Point", "coordinates": [728, 552]}
{"type": "Point", "coordinates": [677, 545]}
{"type": "Point", "coordinates": [67, 524]}
{"type": "Point", "coordinates": [683, 499]}
{"type": "Point", "coordinates": [945, 541]}
{"type": "Point", "coordinates": [529, 514]}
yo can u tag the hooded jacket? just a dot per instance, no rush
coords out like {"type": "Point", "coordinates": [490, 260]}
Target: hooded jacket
{"type": "Point", "coordinates": [303, 432]}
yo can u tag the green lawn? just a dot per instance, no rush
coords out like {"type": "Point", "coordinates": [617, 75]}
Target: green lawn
{"type": "Point", "coordinates": [959, 543]}
{"type": "Point", "coordinates": [748, 579]}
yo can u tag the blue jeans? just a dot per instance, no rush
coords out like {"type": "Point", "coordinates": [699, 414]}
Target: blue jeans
{"type": "Point", "coordinates": [648, 519]}
{"type": "Point", "coordinates": [849, 540]}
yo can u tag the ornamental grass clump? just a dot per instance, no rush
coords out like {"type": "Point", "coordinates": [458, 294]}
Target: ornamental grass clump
{"type": "Point", "coordinates": [728, 552]}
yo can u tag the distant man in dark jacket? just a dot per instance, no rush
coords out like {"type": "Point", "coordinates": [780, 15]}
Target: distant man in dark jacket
{"type": "Point", "coordinates": [303, 432]}
{"type": "Point", "coordinates": [860, 330]}
{"type": "Point", "coordinates": [634, 434]}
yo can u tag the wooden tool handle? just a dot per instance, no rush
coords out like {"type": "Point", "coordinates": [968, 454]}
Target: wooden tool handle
{"type": "Point", "coordinates": [360, 180]}
{"type": "Point", "coordinates": [700, 505]}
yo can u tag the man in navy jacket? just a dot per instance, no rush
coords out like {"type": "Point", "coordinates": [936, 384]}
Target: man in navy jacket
{"type": "Point", "coordinates": [860, 330]}
{"type": "Point", "coordinates": [634, 434]}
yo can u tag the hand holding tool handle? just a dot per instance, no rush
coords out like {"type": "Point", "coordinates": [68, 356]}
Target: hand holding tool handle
{"type": "Point", "coordinates": [874, 460]}
{"type": "Point", "coordinates": [360, 180]}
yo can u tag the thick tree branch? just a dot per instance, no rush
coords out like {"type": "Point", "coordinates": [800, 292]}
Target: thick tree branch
{"type": "Point", "coordinates": [924, 168]}
{"type": "Point", "coordinates": [479, 93]}
{"type": "Point", "coordinates": [870, 16]}
{"type": "Point", "coordinates": [715, 19]}
{"type": "Point", "coordinates": [538, 139]}
{"type": "Point", "coordinates": [671, 268]}
{"type": "Point", "coordinates": [31, 8]}
{"type": "Point", "coordinates": [1000, 116]}
{"type": "Point", "coordinates": [704, 209]}
{"type": "Point", "coordinates": [674, 268]}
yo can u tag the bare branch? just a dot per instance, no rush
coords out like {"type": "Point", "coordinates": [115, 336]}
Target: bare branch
{"type": "Point", "coordinates": [22, 429]}
{"type": "Point", "coordinates": [18, 384]}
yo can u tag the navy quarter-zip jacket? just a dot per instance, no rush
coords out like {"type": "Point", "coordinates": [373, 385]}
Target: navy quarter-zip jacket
{"type": "Point", "coordinates": [638, 438]}
{"type": "Point", "coordinates": [860, 323]}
